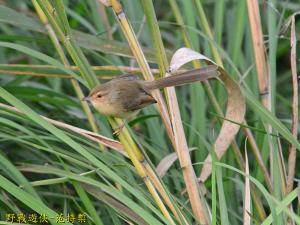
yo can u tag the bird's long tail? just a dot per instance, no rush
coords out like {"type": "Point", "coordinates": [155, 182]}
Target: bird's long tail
{"type": "Point", "coordinates": [200, 74]}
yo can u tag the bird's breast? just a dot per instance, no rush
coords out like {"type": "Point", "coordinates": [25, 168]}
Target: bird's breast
{"type": "Point", "coordinates": [114, 109]}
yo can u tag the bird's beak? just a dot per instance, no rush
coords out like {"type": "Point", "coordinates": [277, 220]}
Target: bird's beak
{"type": "Point", "coordinates": [87, 99]}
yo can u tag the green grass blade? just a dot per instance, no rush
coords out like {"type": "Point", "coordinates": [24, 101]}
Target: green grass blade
{"type": "Point", "coordinates": [270, 119]}
{"type": "Point", "coordinates": [42, 57]}
{"type": "Point", "coordinates": [28, 199]}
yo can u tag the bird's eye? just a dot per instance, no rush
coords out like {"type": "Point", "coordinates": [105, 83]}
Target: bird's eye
{"type": "Point", "coordinates": [99, 96]}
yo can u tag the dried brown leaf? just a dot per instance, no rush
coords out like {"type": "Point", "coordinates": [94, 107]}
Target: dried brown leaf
{"type": "Point", "coordinates": [292, 150]}
{"type": "Point", "coordinates": [235, 110]}
{"type": "Point", "coordinates": [165, 164]}
{"type": "Point", "coordinates": [259, 51]}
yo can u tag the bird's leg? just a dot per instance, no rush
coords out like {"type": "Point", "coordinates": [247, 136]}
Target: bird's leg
{"type": "Point", "coordinates": [118, 130]}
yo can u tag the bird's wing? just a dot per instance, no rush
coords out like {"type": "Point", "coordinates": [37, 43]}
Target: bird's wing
{"type": "Point", "coordinates": [144, 99]}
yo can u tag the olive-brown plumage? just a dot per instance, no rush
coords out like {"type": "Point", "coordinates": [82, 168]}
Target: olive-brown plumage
{"type": "Point", "coordinates": [125, 95]}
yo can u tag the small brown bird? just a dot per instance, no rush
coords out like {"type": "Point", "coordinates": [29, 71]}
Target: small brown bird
{"type": "Point", "coordinates": [126, 95]}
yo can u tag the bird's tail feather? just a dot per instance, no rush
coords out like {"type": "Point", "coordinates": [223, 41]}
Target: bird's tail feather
{"type": "Point", "coordinates": [200, 74]}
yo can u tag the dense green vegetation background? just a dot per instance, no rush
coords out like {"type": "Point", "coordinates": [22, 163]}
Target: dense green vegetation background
{"type": "Point", "coordinates": [54, 169]}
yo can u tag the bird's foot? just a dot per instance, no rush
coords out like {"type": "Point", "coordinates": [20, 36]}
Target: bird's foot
{"type": "Point", "coordinates": [118, 130]}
